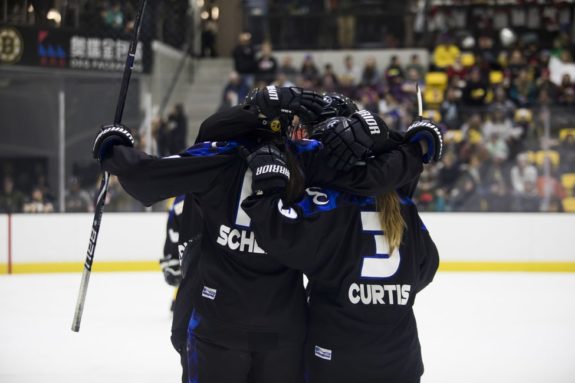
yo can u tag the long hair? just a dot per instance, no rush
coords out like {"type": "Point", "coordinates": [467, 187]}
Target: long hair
{"type": "Point", "coordinates": [392, 223]}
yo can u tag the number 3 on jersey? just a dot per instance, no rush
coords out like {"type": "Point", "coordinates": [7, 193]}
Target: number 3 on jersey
{"type": "Point", "coordinates": [381, 264]}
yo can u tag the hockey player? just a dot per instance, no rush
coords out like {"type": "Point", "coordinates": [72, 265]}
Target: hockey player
{"type": "Point", "coordinates": [170, 261]}
{"type": "Point", "coordinates": [249, 310]}
{"type": "Point", "coordinates": [366, 259]}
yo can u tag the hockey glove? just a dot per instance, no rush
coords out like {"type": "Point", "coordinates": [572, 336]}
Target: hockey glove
{"type": "Point", "coordinates": [283, 103]}
{"type": "Point", "coordinates": [172, 270]}
{"type": "Point", "coordinates": [422, 129]}
{"type": "Point", "coordinates": [109, 136]}
{"type": "Point", "coordinates": [351, 140]}
{"type": "Point", "coordinates": [269, 170]}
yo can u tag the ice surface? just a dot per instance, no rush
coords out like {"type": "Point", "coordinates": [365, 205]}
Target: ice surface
{"type": "Point", "coordinates": [474, 328]}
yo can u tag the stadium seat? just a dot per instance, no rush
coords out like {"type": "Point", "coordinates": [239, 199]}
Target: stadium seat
{"type": "Point", "coordinates": [531, 155]}
{"type": "Point", "coordinates": [563, 133]}
{"type": "Point", "coordinates": [552, 154]}
{"type": "Point", "coordinates": [433, 115]}
{"type": "Point", "coordinates": [467, 59]}
{"type": "Point", "coordinates": [569, 204]}
{"type": "Point", "coordinates": [436, 79]}
{"type": "Point", "coordinates": [523, 115]}
{"type": "Point", "coordinates": [432, 96]}
{"type": "Point", "coordinates": [568, 181]}
{"type": "Point", "coordinates": [455, 136]}
{"type": "Point", "coordinates": [495, 77]}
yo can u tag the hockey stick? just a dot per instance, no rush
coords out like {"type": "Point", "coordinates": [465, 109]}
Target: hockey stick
{"type": "Point", "coordinates": [419, 101]}
{"type": "Point", "coordinates": [128, 67]}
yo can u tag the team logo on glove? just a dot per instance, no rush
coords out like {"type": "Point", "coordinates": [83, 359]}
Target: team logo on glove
{"type": "Point", "coordinates": [276, 126]}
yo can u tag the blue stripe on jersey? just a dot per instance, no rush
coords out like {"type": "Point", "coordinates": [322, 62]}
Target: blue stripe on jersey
{"type": "Point", "coordinates": [192, 349]}
{"type": "Point", "coordinates": [319, 200]}
{"type": "Point", "coordinates": [207, 149]}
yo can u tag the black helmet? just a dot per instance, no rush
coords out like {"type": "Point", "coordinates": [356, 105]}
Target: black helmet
{"type": "Point", "coordinates": [338, 105]}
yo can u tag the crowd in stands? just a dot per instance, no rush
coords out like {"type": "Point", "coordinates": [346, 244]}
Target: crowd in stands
{"type": "Point", "coordinates": [492, 102]}
{"type": "Point", "coordinates": [166, 21]}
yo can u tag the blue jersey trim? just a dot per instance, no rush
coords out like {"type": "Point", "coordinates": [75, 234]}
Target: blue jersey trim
{"type": "Point", "coordinates": [209, 148]}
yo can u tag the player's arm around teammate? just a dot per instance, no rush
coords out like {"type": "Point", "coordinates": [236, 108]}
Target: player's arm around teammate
{"type": "Point", "coordinates": [366, 259]}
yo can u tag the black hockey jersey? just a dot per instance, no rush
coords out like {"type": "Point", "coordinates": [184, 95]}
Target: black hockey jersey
{"type": "Point", "coordinates": [240, 293]}
{"type": "Point", "coordinates": [360, 297]}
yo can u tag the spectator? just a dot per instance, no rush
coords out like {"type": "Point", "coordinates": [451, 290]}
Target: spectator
{"type": "Point", "coordinates": [497, 147]}
{"type": "Point", "coordinates": [415, 64]}
{"type": "Point", "coordinates": [516, 64]}
{"type": "Point", "coordinates": [548, 185]}
{"type": "Point", "coordinates": [567, 154]}
{"type": "Point", "coordinates": [77, 199]}
{"type": "Point", "coordinates": [309, 71]}
{"type": "Point", "coordinates": [370, 75]}
{"type": "Point", "coordinates": [498, 124]}
{"type": "Point", "coordinates": [566, 91]}
{"type": "Point", "coordinates": [500, 101]}
{"type": "Point", "coordinates": [113, 16]}
{"type": "Point", "coordinates": [475, 90]}
{"type": "Point", "coordinates": [288, 69]}
{"type": "Point", "coordinates": [523, 91]}
{"type": "Point", "coordinates": [544, 84]}
{"type": "Point", "coordinates": [161, 134]}
{"type": "Point", "coordinates": [498, 198]}
{"type": "Point", "coordinates": [234, 92]}
{"type": "Point", "coordinates": [393, 70]}
{"type": "Point", "coordinates": [38, 203]}
{"type": "Point", "coordinates": [449, 171]}
{"type": "Point", "coordinates": [450, 109]}
{"type": "Point", "coordinates": [11, 200]}
{"type": "Point", "coordinates": [244, 55]}
{"type": "Point", "coordinates": [350, 76]}
{"type": "Point", "coordinates": [523, 175]}
{"type": "Point", "coordinates": [178, 128]}
{"type": "Point", "coordinates": [329, 81]}
{"type": "Point", "coordinates": [267, 65]}
{"type": "Point", "coordinates": [209, 36]}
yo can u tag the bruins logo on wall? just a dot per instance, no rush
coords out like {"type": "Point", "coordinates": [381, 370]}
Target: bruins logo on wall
{"type": "Point", "coordinates": [11, 45]}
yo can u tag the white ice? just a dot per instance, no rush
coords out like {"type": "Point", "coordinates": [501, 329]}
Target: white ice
{"type": "Point", "coordinates": [474, 328]}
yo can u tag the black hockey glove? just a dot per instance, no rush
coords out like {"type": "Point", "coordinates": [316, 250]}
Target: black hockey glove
{"type": "Point", "coordinates": [283, 103]}
{"type": "Point", "coordinates": [269, 170]}
{"type": "Point", "coordinates": [349, 141]}
{"type": "Point", "coordinates": [172, 270]}
{"type": "Point", "coordinates": [422, 129]}
{"type": "Point", "coordinates": [109, 136]}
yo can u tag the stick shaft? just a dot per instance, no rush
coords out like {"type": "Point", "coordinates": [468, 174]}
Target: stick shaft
{"type": "Point", "coordinates": [129, 66]}
{"type": "Point", "coordinates": [419, 102]}
{"type": "Point", "coordinates": [100, 201]}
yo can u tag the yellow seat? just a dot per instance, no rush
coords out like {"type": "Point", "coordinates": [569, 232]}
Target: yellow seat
{"type": "Point", "coordinates": [552, 154]}
{"type": "Point", "coordinates": [523, 115]}
{"type": "Point", "coordinates": [436, 79]}
{"type": "Point", "coordinates": [432, 96]}
{"type": "Point", "coordinates": [568, 180]}
{"type": "Point", "coordinates": [531, 156]}
{"type": "Point", "coordinates": [455, 136]}
{"type": "Point", "coordinates": [467, 59]}
{"type": "Point", "coordinates": [431, 114]}
{"type": "Point", "coordinates": [563, 133]}
{"type": "Point", "coordinates": [569, 204]}
{"type": "Point", "coordinates": [495, 77]}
